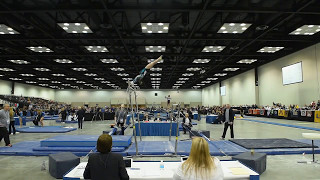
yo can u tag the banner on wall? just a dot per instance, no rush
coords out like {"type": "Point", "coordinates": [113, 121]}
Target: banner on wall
{"type": "Point", "coordinates": [303, 113]}
{"type": "Point", "coordinates": [275, 112]}
{"type": "Point", "coordinates": [286, 113]}
{"type": "Point", "coordinates": [295, 112]}
{"type": "Point", "coordinates": [268, 112]}
{"type": "Point", "coordinates": [317, 116]}
{"type": "Point", "coordinates": [261, 112]}
{"type": "Point", "coordinates": [309, 113]}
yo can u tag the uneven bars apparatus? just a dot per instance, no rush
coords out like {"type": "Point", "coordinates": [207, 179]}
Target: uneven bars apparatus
{"type": "Point", "coordinates": [132, 89]}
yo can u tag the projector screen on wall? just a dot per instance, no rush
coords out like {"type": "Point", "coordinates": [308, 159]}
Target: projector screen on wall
{"type": "Point", "coordinates": [223, 90]}
{"type": "Point", "coordinates": [292, 74]}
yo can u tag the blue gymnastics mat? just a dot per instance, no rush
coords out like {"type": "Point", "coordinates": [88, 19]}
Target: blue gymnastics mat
{"type": "Point", "coordinates": [32, 148]}
{"type": "Point", "coordinates": [281, 124]}
{"type": "Point", "coordinates": [51, 117]}
{"type": "Point", "coordinates": [83, 141]}
{"type": "Point", "coordinates": [67, 122]}
{"type": "Point", "coordinates": [167, 147]}
{"type": "Point", "coordinates": [45, 129]}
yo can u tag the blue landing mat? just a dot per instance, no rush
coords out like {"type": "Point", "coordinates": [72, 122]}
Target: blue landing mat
{"type": "Point", "coordinates": [163, 147]}
{"type": "Point", "coordinates": [74, 149]}
{"type": "Point", "coordinates": [281, 124]}
{"type": "Point", "coordinates": [45, 129]}
{"type": "Point", "coordinates": [67, 122]}
{"type": "Point", "coordinates": [26, 148]}
{"type": "Point", "coordinates": [83, 140]}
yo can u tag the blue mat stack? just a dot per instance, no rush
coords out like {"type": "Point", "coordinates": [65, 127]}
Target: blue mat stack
{"type": "Point", "coordinates": [45, 129]}
{"type": "Point", "coordinates": [80, 145]}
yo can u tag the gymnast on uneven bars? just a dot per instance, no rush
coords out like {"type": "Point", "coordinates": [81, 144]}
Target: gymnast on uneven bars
{"type": "Point", "coordinates": [143, 72]}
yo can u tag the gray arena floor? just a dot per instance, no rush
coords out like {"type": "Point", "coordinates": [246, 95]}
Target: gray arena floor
{"type": "Point", "coordinates": [278, 167]}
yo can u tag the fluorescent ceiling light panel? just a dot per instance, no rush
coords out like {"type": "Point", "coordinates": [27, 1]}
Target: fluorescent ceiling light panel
{"type": "Point", "coordinates": [26, 75]}
{"type": "Point", "coordinates": [234, 28]}
{"type": "Point", "coordinates": [43, 84]}
{"type": "Point", "coordinates": [156, 69]}
{"type": "Point", "coordinates": [201, 84]}
{"type": "Point", "coordinates": [220, 74]}
{"type": "Point", "coordinates": [4, 29]}
{"type": "Point", "coordinates": [80, 82]}
{"type": "Point", "coordinates": [201, 61]}
{"type": "Point", "coordinates": [40, 49]}
{"type": "Point", "coordinates": [155, 27]}
{"type": "Point", "coordinates": [153, 82]}
{"type": "Point", "coordinates": [151, 60]}
{"type": "Point", "coordinates": [212, 79]}
{"type": "Point", "coordinates": [117, 69]}
{"type": "Point", "coordinates": [187, 74]}
{"type": "Point", "coordinates": [91, 74]}
{"type": "Point", "coordinates": [66, 84]}
{"type": "Point", "coordinates": [16, 61]}
{"type": "Point", "coordinates": [43, 79]}
{"type": "Point", "coordinates": [6, 69]}
{"type": "Point", "coordinates": [75, 27]}
{"type": "Point", "coordinates": [58, 75]}
{"type": "Point", "coordinates": [105, 82]}
{"type": "Point", "coordinates": [71, 79]}
{"type": "Point", "coordinates": [127, 79]}
{"type": "Point", "coordinates": [306, 30]}
{"type": "Point", "coordinates": [79, 69]}
{"type": "Point", "coordinates": [31, 82]}
{"type": "Point", "coordinates": [123, 74]}
{"type": "Point", "coordinates": [180, 82]}
{"type": "Point", "coordinates": [63, 61]}
{"type": "Point", "coordinates": [42, 69]}
{"type": "Point", "coordinates": [109, 61]}
{"type": "Point", "coordinates": [97, 49]}
{"type": "Point", "coordinates": [155, 79]}
{"type": "Point", "coordinates": [194, 69]}
{"type": "Point", "coordinates": [98, 79]}
{"type": "Point", "coordinates": [155, 48]}
{"type": "Point", "coordinates": [183, 79]}
{"type": "Point", "coordinates": [247, 61]}
{"type": "Point", "coordinates": [15, 79]}
{"type": "Point", "coordinates": [55, 82]}
{"type": "Point", "coordinates": [196, 87]}
{"type": "Point", "coordinates": [206, 82]}
{"type": "Point", "coordinates": [213, 48]}
{"type": "Point", "coordinates": [270, 49]}
{"type": "Point", "coordinates": [155, 74]}
{"type": "Point", "coordinates": [231, 69]}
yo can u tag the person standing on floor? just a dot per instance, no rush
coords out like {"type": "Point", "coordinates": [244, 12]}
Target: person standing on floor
{"type": "Point", "coordinates": [120, 118]}
{"type": "Point", "coordinates": [4, 119]}
{"type": "Point", "coordinates": [80, 114]}
{"type": "Point", "coordinates": [228, 120]}
{"type": "Point", "coordinates": [12, 121]}
{"type": "Point", "coordinates": [186, 123]}
{"type": "Point", "coordinates": [63, 115]}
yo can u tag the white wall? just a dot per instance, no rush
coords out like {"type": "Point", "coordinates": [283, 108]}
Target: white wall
{"type": "Point", "coordinates": [271, 88]}
{"type": "Point", "coordinates": [211, 95]}
{"type": "Point", "coordinates": [87, 96]}
{"type": "Point", "coordinates": [241, 88]}
{"type": "Point", "coordinates": [33, 91]}
{"type": "Point", "coordinates": [5, 87]}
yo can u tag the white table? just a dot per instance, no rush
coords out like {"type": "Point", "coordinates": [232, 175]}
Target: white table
{"type": "Point", "coordinates": [151, 170]}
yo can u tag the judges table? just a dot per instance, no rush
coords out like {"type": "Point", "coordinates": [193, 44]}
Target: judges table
{"type": "Point", "coordinates": [211, 118]}
{"type": "Point", "coordinates": [151, 170]}
{"type": "Point", "coordinates": [156, 128]}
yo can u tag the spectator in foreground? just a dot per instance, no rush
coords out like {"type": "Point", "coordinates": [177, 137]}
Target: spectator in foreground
{"type": "Point", "coordinates": [4, 119]}
{"type": "Point", "coordinates": [105, 164]}
{"type": "Point", "coordinates": [200, 165]}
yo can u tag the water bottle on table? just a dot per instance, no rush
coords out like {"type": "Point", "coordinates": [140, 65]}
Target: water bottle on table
{"type": "Point", "coordinates": [161, 165]}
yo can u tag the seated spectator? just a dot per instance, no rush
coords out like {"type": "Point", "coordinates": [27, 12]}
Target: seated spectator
{"type": "Point", "coordinates": [200, 165]}
{"type": "Point", "coordinates": [105, 164]}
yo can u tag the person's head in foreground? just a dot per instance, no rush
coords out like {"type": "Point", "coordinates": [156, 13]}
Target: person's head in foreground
{"type": "Point", "coordinates": [6, 107]}
{"type": "Point", "coordinates": [104, 143]}
{"type": "Point", "coordinates": [187, 115]}
{"type": "Point", "coordinates": [200, 164]}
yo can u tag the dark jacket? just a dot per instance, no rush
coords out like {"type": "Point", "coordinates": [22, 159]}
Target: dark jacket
{"type": "Point", "coordinates": [80, 114]}
{"type": "Point", "coordinates": [231, 115]}
{"type": "Point", "coordinates": [109, 166]}
{"type": "Point", "coordinates": [184, 120]}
